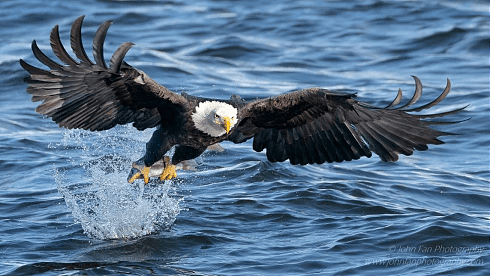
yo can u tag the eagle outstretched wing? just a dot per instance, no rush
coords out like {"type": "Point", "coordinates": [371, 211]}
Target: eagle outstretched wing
{"type": "Point", "coordinates": [87, 95]}
{"type": "Point", "coordinates": [316, 126]}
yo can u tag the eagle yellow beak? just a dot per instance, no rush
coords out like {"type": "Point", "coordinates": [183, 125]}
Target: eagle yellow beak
{"type": "Point", "coordinates": [226, 123]}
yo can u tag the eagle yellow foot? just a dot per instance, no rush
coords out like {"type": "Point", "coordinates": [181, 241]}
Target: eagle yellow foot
{"type": "Point", "coordinates": [137, 173]}
{"type": "Point", "coordinates": [169, 171]}
{"type": "Point", "coordinates": [162, 168]}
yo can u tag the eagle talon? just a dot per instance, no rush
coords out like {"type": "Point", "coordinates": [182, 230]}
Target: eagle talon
{"type": "Point", "coordinates": [169, 171]}
{"type": "Point", "coordinates": [163, 168]}
{"type": "Point", "coordinates": [135, 173]}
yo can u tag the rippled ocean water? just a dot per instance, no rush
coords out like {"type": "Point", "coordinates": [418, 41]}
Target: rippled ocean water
{"type": "Point", "coordinates": [65, 206]}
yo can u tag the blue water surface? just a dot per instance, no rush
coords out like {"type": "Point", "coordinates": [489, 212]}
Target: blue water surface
{"type": "Point", "coordinates": [65, 206]}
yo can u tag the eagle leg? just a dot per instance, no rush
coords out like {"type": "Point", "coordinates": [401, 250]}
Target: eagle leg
{"type": "Point", "coordinates": [169, 171]}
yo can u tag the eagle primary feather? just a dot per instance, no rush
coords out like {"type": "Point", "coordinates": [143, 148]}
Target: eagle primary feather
{"type": "Point", "coordinates": [309, 126]}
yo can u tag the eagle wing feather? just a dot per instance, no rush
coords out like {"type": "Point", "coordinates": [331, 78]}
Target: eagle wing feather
{"type": "Point", "coordinates": [88, 95]}
{"type": "Point", "coordinates": [316, 125]}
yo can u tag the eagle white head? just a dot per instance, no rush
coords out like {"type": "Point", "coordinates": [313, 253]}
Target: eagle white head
{"type": "Point", "coordinates": [214, 118]}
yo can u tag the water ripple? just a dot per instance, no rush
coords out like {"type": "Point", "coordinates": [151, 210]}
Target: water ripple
{"type": "Point", "coordinates": [66, 208]}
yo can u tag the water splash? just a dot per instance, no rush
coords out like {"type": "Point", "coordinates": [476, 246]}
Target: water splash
{"type": "Point", "coordinates": [95, 189]}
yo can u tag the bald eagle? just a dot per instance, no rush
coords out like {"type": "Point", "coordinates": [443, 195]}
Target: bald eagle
{"type": "Point", "coordinates": [313, 125]}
